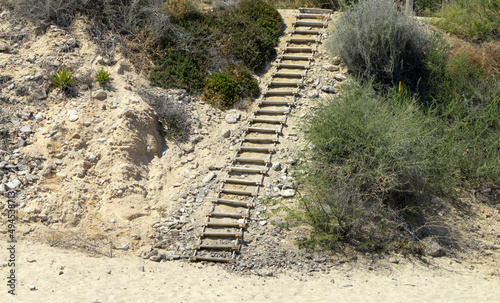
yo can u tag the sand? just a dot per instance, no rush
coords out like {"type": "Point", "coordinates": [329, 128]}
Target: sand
{"type": "Point", "coordinates": [69, 276]}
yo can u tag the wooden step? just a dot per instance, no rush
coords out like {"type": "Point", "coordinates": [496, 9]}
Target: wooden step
{"type": "Point", "coordinates": [231, 215]}
{"type": "Point", "coordinates": [241, 181]}
{"type": "Point", "coordinates": [307, 10]}
{"type": "Point", "coordinates": [220, 235]}
{"type": "Point", "coordinates": [280, 92]}
{"type": "Point", "coordinates": [238, 192]}
{"type": "Point", "coordinates": [247, 169]}
{"type": "Point", "coordinates": [260, 140]}
{"type": "Point", "coordinates": [226, 224]}
{"type": "Point", "coordinates": [218, 247]}
{"type": "Point", "coordinates": [211, 259]}
{"type": "Point", "coordinates": [263, 120]}
{"type": "Point", "coordinates": [264, 111]}
{"type": "Point", "coordinates": [277, 102]}
{"type": "Point", "coordinates": [303, 40]}
{"type": "Point", "coordinates": [285, 83]}
{"type": "Point", "coordinates": [233, 202]}
{"type": "Point", "coordinates": [310, 23]}
{"type": "Point", "coordinates": [306, 31]}
{"type": "Point", "coordinates": [312, 16]}
{"type": "Point", "coordinates": [293, 49]}
{"type": "Point", "coordinates": [288, 75]}
{"type": "Point", "coordinates": [251, 160]}
{"type": "Point", "coordinates": [295, 57]}
{"type": "Point", "coordinates": [263, 130]}
{"type": "Point", "coordinates": [292, 65]}
{"type": "Point", "coordinates": [256, 149]}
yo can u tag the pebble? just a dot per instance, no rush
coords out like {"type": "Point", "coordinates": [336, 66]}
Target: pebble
{"type": "Point", "coordinates": [73, 118]}
{"type": "Point", "coordinates": [101, 140]}
{"type": "Point", "coordinates": [226, 134]}
{"type": "Point", "coordinates": [39, 117]}
{"type": "Point", "coordinates": [313, 94]}
{"type": "Point", "coordinates": [233, 117]}
{"type": "Point", "coordinates": [13, 184]}
{"type": "Point", "coordinates": [332, 68]}
{"type": "Point", "coordinates": [287, 193]}
{"type": "Point", "coordinates": [112, 220]}
{"type": "Point", "coordinates": [209, 177]}
{"type": "Point", "coordinates": [340, 77]}
{"type": "Point", "coordinates": [32, 58]}
{"type": "Point", "coordinates": [100, 94]}
{"type": "Point", "coordinates": [276, 166]}
{"type": "Point", "coordinates": [328, 89]}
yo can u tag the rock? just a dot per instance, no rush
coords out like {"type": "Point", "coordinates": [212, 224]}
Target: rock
{"type": "Point", "coordinates": [40, 94]}
{"type": "Point", "coordinates": [4, 47]}
{"type": "Point", "coordinates": [287, 193]}
{"type": "Point", "coordinates": [339, 77]}
{"type": "Point", "coordinates": [332, 68]}
{"type": "Point", "coordinates": [313, 94]}
{"type": "Point", "coordinates": [73, 117]}
{"type": "Point", "coordinates": [435, 250]}
{"type": "Point", "coordinates": [276, 166]}
{"type": "Point", "coordinates": [328, 89]}
{"type": "Point", "coordinates": [26, 129]}
{"type": "Point", "coordinates": [112, 220]}
{"type": "Point", "coordinates": [100, 94]}
{"type": "Point", "coordinates": [71, 42]}
{"type": "Point", "coordinates": [2, 189]}
{"type": "Point", "coordinates": [156, 258]}
{"type": "Point", "coordinates": [32, 58]}
{"type": "Point", "coordinates": [101, 140]}
{"type": "Point", "coordinates": [226, 134]}
{"type": "Point", "coordinates": [21, 142]}
{"type": "Point", "coordinates": [32, 287]}
{"type": "Point", "coordinates": [233, 117]}
{"type": "Point", "coordinates": [13, 184]}
{"type": "Point", "coordinates": [124, 247]}
{"type": "Point", "coordinates": [263, 223]}
{"type": "Point", "coordinates": [263, 272]}
{"type": "Point", "coordinates": [133, 100]}
{"type": "Point", "coordinates": [336, 60]}
{"type": "Point", "coordinates": [39, 117]}
{"type": "Point", "coordinates": [209, 177]}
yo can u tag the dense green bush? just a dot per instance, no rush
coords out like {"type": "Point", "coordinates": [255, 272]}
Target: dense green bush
{"type": "Point", "coordinates": [375, 39]}
{"type": "Point", "coordinates": [473, 19]}
{"type": "Point", "coordinates": [248, 84]}
{"type": "Point", "coordinates": [265, 15]}
{"type": "Point", "coordinates": [221, 90]}
{"type": "Point", "coordinates": [179, 69]}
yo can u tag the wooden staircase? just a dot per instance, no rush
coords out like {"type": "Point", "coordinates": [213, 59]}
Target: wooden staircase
{"type": "Point", "coordinates": [223, 232]}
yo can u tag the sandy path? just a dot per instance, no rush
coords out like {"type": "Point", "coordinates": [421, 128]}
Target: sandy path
{"type": "Point", "coordinates": [87, 279]}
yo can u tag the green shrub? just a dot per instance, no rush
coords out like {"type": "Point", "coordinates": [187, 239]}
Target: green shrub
{"type": "Point", "coordinates": [265, 15]}
{"type": "Point", "coordinates": [62, 78]}
{"type": "Point", "coordinates": [102, 76]}
{"type": "Point", "coordinates": [375, 39]}
{"type": "Point", "coordinates": [179, 69]}
{"type": "Point", "coordinates": [473, 19]}
{"type": "Point", "coordinates": [248, 84]}
{"type": "Point", "coordinates": [372, 158]}
{"type": "Point", "coordinates": [221, 90]}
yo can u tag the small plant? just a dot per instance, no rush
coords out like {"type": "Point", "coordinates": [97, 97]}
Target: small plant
{"type": "Point", "coordinates": [102, 76]}
{"type": "Point", "coordinates": [221, 90]}
{"type": "Point", "coordinates": [62, 78]}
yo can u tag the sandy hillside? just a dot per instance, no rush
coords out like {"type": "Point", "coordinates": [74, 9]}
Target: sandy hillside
{"type": "Point", "coordinates": [95, 178]}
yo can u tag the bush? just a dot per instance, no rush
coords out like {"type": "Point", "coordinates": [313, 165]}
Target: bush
{"type": "Point", "coordinates": [248, 84]}
{"type": "Point", "coordinates": [375, 39]}
{"type": "Point", "coordinates": [221, 90]}
{"type": "Point", "coordinates": [264, 14]}
{"type": "Point", "coordinates": [102, 76]}
{"type": "Point", "coordinates": [179, 69]}
{"type": "Point", "coordinates": [372, 158]}
{"type": "Point", "coordinates": [477, 20]}
{"type": "Point", "coordinates": [180, 9]}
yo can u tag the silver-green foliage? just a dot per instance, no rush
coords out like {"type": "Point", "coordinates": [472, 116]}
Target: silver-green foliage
{"type": "Point", "coordinates": [376, 39]}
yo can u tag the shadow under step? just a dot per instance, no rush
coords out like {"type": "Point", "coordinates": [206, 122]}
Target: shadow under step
{"type": "Point", "coordinates": [233, 203]}
{"type": "Point", "coordinates": [218, 247]}
{"type": "Point", "coordinates": [211, 259]}
{"type": "Point", "coordinates": [247, 170]}
{"type": "Point", "coordinates": [263, 129]}
{"type": "Point", "coordinates": [220, 235]}
{"type": "Point", "coordinates": [230, 215]}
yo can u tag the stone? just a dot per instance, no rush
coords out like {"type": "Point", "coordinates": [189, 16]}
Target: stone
{"type": "Point", "coordinates": [133, 100]}
{"type": "Point", "coordinates": [232, 117]}
{"type": "Point", "coordinates": [39, 117]}
{"type": "Point", "coordinates": [73, 117]}
{"type": "Point", "coordinates": [71, 42]}
{"type": "Point", "coordinates": [21, 142]}
{"type": "Point", "coordinates": [328, 89]}
{"type": "Point", "coordinates": [276, 166]}
{"type": "Point", "coordinates": [4, 47]}
{"type": "Point", "coordinates": [40, 94]}
{"type": "Point", "coordinates": [339, 77]}
{"type": "Point", "coordinates": [112, 220]}
{"type": "Point", "coordinates": [332, 68]}
{"type": "Point", "coordinates": [26, 129]}
{"type": "Point", "coordinates": [13, 184]}
{"type": "Point", "coordinates": [263, 223]}
{"type": "Point", "coordinates": [32, 58]}
{"type": "Point", "coordinates": [287, 193]}
{"type": "Point", "coordinates": [264, 272]}
{"type": "Point", "coordinates": [435, 250]}
{"type": "Point", "coordinates": [211, 175]}
{"type": "Point", "coordinates": [336, 60]}
{"type": "Point", "coordinates": [226, 134]}
{"type": "Point", "coordinates": [124, 247]}
{"type": "Point", "coordinates": [100, 94]}
{"type": "Point", "coordinates": [101, 140]}
{"type": "Point", "coordinates": [313, 94]}
{"type": "Point", "coordinates": [2, 189]}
